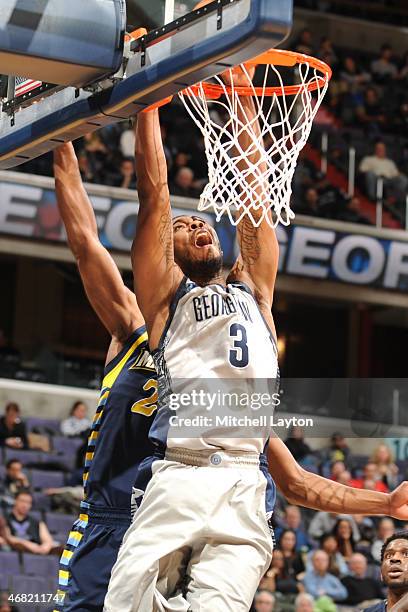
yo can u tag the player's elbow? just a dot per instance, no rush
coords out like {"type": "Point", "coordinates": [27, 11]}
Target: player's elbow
{"type": "Point", "coordinates": [153, 197]}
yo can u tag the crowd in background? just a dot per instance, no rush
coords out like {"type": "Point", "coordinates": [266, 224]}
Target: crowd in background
{"type": "Point", "coordinates": [366, 107]}
{"type": "Point", "coordinates": [385, 11]}
{"type": "Point", "coordinates": [321, 563]}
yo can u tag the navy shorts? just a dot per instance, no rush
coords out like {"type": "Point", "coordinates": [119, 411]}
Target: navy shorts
{"type": "Point", "coordinates": [89, 555]}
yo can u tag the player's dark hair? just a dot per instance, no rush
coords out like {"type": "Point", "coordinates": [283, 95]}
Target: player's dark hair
{"type": "Point", "coordinates": [398, 535]}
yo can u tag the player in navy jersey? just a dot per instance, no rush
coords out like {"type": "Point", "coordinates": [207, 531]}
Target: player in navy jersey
{"type": "Point", "coordinates": [200, 539]}
{"type": "Point", "coordinates": [118, 440]}
{"type": "Point", "coordinates": [394, 574]}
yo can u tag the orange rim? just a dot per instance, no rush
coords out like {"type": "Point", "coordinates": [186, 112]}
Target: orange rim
{"type": "Point", "coordinates": [274, 57]}
{"type": "Point", "coordinates": [157, 104]}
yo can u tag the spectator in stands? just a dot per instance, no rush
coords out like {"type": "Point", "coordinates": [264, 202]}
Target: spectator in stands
{"type": "Point", "coordinates": [293, 522]}
{"type": "Point", "coordinates": [127, 144]}
{"type": "Point", "coordinates": [379, 165]}
{"type": "Point", "coordinates": [370, 479]}
{"type": "Point", "coordinates": [25, 533]}
{"type": "Point", "coordinates": [15, 480]}
{"type": "Point", "coordinates": [337, 563]}
{"type": "Point", "coordinates": [304, 43]}
{"type": "Point", "coordinates": [327, 53]}
{"type": "Point", "coordinates": [318, 582]}
{"type": "Point", "coordinates": [350, 212]}
{"type": "Point", "coordinates": [337, 468]}
{"type": "Point", "coordinates": [383, 69]}
{"type": "Point", "coordinates": [87, 172]}
{"type": "Point", "coordinates": [370, 112]}
{"type": "Point", "coordinates": [309, 204]}
{"type": "Point", "coordinates": [304, 603]}
{"type": "Point", "coordinates": [344, 478]}
{"type": "Point", "coordinates": [125, 177]}
{"type": "Point", "coordinates": [403, 71]}
{"type": "Point", "coordinates": [298, 447]}
{"type": "Point", "coordinates": [277, 578]}
{"type": "Point", "coordinates": [387, 470]}
{"type": "Point", "coordinates": [12, 430]}
{"type": "Point", "coordinates": [77, 423]}
{"type": "Point", "coordinates": [264, 601]}
{"type": "Point", "coordinates": [5, 603]}
{"type": "Point", "coordinates": [183, 184]}
{"type": "Point", "coordinates": [401, 120]}
{"type": "Point", "coordinates": [360, 587]}
{"type": "Point", "coordinates": [343, 533]}
{"type": "Point", "coordinates": [337, 451]}
{"type": "Point", "coordinates": [386, 528]}
{"type": "Point", "coordinates": [181, 160]}
{"type": "Point", "coordinates": [368, 532]}
{"type": "Point", "coordinates": [353, 76]}
{"type": "Point", "coordinates": [3, 540]}
{"type": "Point", "coordinates": [324, 522]}
{"type": "Point", "coordinates": [292, 558]}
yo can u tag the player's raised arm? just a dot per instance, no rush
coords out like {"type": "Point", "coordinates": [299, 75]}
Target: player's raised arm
{"type": "Point", "coordinates": [257, 264]}
{"type": "Point", "coordinates": [113, 302]}
{"type": "Point", "coordinates": [155, 272]}
{"type": "Point", "coordinates": [318, 493]}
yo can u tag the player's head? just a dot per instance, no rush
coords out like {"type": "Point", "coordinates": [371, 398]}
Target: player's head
{"type": "Point", "coordinates": [197, 249]}
{"type": "Point", "coordinates": [394, 561]}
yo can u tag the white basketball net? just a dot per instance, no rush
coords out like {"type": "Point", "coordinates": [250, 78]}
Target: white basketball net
{"type": "Point", "coordinates": [256, 179]}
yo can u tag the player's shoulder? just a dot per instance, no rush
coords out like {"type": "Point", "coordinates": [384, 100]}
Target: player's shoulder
{"type": "Point", "coordinates": [137, 341]}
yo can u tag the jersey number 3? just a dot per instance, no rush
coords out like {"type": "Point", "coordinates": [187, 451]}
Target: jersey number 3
{"type": "Point", "coordinates": [239, 355]}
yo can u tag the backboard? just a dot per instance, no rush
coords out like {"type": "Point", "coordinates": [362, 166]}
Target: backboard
{"type": "Point", "coordinates": [182, 47]}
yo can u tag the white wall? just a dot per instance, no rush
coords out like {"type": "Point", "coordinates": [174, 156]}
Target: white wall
{"type": "Point", "coordinates": [41, 400]}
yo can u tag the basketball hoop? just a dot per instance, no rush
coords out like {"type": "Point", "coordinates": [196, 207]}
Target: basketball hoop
{"type": "Point", "coordinates": [257, 179]}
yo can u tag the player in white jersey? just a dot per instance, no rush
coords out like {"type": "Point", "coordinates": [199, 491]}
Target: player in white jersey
{"type": "Point", "coordinates": [200, 539]}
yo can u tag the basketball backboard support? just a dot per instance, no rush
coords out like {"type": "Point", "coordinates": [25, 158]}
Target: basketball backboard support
{"type": "Point", "coordinates": [193, 47]}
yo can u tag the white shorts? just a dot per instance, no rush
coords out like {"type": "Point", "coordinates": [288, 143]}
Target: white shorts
{"type": "Point", "coordinates": [200, 540]}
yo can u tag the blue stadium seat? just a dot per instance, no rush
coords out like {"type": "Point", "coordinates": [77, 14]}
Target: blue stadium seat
{"type": "Point", "coordinates": [41, 479]}
{"type": "Point", "coordinates": [38, 565]}
{"type": "Point", "coordinates": [26, 457]}
{"type": "Point", "coordinates": [65, 445]}
{"type": "Point", "coordinates": [59, 523]}
{"type": "Point", "coordinates": [9, 563]}
{"type": "Point", "coordinates": [29, 584]}
{"type": "Point", "coordinates": [50, 426]}
{"type": "Point", "coordinates": [41, 502]}
{"type": "Point", "coordinates": [4, 582]}
{"type": "Point", "coordinates": [37, 514]}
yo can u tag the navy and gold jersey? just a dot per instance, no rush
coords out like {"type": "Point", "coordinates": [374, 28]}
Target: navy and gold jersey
{"type": "Point", "coordinates": [119, 441]}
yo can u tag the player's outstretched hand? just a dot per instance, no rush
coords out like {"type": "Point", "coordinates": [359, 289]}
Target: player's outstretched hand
{"type": "Point", "coordinates": [399, 502]}
{"type": "Point", "coordinates": [238, 77]}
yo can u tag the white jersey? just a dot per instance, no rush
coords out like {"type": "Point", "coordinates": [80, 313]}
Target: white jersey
{"type": "Point", "coordinates": [215, 332]}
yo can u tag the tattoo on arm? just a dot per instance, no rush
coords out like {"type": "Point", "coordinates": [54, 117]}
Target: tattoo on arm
{"type": "Point", "coordinates": [249, 242]}
{"type": "Point", "coordinates": [166, 237]}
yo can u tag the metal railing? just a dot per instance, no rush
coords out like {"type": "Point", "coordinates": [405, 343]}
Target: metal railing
{"type": "Point", "coordinates": [352, 177]}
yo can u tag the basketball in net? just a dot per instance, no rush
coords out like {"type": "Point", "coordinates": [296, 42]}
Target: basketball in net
{"type": "Point", "coordinates": [252, 155]}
